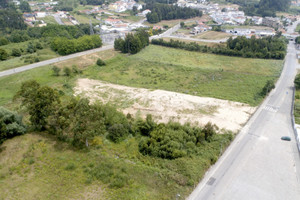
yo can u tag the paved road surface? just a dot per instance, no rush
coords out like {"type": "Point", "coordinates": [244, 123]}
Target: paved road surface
{"type": "Point", "coordinates": [57, 19]}
{"type": "Point", "coordinates": [259, 165]}
{"type": "Point", "coordinates": [51, 61]}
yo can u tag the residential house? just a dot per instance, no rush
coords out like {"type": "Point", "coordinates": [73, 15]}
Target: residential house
{"type": "Point", "coordinates": [272, 22]}
{"type": "Point", "coordinates": [29, 17]}
{"type": "Point", "coordinates": [40, 14]}
{"type": "Point", "coordinates": [144, 13]}
{"type": "Point", "coordinates": [201, 27]}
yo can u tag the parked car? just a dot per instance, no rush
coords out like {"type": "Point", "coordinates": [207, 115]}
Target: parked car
{"type": "Point", "coordinates": [287, 138]}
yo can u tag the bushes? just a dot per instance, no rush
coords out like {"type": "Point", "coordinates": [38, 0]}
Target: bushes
{"type": "Point", "coordinates": [10, 125]}
{"type": "Point", "coordinates": [55, 70]}
{"type": "Point", "coordinates": [67, 46]}
{"type": "Point", "coordinates": [117, 132]}
{"type": "Point", "coordinates": [297, 82]}
{"type": "Point", "coordinates": [16, 52]}
{"type": "Point", "coordinates": [174, 140]}
{"type": "Point", "coordinates": [132, 43]}
{"type": "Point", "coordinates": [168, 12]}
{"type": "Point", "coordinates": [100, 62]}
{"type": "Point", "coordinates": [3, 54]}
{"type": "Point", "coordinates": [267, 48]}
{"type": "Point", "coordinates": [267, 88]}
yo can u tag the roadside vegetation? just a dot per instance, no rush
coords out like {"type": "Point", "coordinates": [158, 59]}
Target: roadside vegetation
{"type": "Point", "coordinates": [297, 99]}
{"type": "Point", "coordinates": [267, 48]}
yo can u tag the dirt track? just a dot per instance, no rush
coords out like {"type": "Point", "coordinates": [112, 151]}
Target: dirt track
{"type": "Point", "coordinates": [166, 106]}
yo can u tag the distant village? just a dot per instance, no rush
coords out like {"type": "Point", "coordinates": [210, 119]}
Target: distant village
{"type": "Point", "coordinates": [112, 25]}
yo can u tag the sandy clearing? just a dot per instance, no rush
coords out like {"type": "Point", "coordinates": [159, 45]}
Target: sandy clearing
{"type": "Point", "coordinates": [166, 106]}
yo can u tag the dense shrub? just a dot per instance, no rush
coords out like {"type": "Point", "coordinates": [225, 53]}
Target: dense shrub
{"type": "Point", "coordinates": [10, 124]}
{"type": "Point", "coordinates": [174, 140]}
{"type": "Point", "coordinates": [67, 71]}
{"type": "Point", "coordinates": [117, 132]}
{"type": "Point", "coordinates": [3, 54]}
{"type": "Point", "coordinates": [55, 70]}
{"type": "Point", "coordinates": [132, 43]}
{"type": "Point", "coordinates": [67, 46]}
{"type": "Point", "coordinates": [16, 52]}
{"type": "Point", "coordinates": [267, 88]}
{"type": "Point", "coordinates": [168, 12]}
{"type": "Point", "coordinates": [297, 82]}
{"type": "Point", "coordinates": [100, 62]}
{"type": "Point", "coordinates": [267, 48]}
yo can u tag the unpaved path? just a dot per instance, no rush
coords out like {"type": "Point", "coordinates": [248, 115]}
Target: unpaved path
{"type": "Point", "coordinates": [166, 106]}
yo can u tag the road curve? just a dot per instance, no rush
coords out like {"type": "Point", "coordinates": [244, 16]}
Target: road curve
{"type": "Point", "coordinates": [258, 164]}
{"type": "Point", "coordinates": [51, 61]}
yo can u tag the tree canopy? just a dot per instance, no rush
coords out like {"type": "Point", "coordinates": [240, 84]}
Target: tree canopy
{"type": "Point", "coordinates": [167, 12]}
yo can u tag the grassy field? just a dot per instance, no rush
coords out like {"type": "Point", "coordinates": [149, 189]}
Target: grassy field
{"type": "Point", "coordinates": [209, 44]}
{"type": "Point", "coordinates": [174, 22]}
{"type": "Point", "coordinates": [251, 27]}
{"type": "Point", "coordinates": [230, 78]}
{"type": "Point", "coordinates": [51, 169]}
{"type": "Point", "coordinates": [212, 35]}
{"type": "Point", "coordinates": [10, 84]}
{"type": "Point", "coordinates": [41, 54]}
{"type": "Point", "coordinates": [36, 166]}
{"type": "Point", "coordinates": [85, 19]}
{"type": "Point", "coordinates": [49, 20]}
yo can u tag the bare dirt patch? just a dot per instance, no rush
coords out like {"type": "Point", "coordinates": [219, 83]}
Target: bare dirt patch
{"type": "Point", "coordinates": [165, 106]}
{"type": "Point", "coordinates": [87, 60]}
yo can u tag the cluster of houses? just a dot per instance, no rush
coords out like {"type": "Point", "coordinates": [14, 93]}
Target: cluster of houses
{"type": "Point", "coordinates": [34, 19]}
{"type": "Point", "coordinates": [231, 17]}
{"type": "Point", "coordinates": [123, 5]}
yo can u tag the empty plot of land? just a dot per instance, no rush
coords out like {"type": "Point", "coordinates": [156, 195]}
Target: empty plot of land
{"type": "Point", "coordinates": [166, 106]}
{"type": "Point", "coordinates": [212, 35]}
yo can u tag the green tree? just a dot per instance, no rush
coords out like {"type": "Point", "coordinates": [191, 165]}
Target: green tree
{"type": "Point", "coordinates": [268, 87]}
{"type": "Point", "coordinates": [40, 102]}
{"type": "Point", "coordinates": [3, 54]}
{"type": "Point", "coordinates": [10, 124]}
{"type": "Point", "coordinates": [24, 6]}
{"type": "Point", "coordinates": [56, 70]}
{"type": "Point", "coordinates": [3, 41]}
{"type": "Point", "coordinates": [67, 71]}
{"type": "Point", "coordinates": [182, 24]}
{"type": "Point", "coordinates": [16, 52]}
{"type": "Point", "coordinates": [209, 131]}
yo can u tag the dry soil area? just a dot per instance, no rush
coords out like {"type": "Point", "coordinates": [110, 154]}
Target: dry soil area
{"type": "Point", "coordinates": [166, 106]}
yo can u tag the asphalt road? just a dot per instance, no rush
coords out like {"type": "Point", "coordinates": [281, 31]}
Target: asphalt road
{"type": "Point", "coordinates": [57, 19]}
{"type": "Point", "coordinates": [258, 165]}
{"type": "Point", "coordinates": [51, 61]}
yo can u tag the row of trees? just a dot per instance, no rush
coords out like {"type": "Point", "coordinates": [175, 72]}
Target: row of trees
{"type": "Point", "coordinates": [11, 19]}
{"type": "Point", "coordinates": [267, 48]}
{"type": "Point", "coordinates": [92, 2]}
{"type": "Point", "coordinates": [50, 30]}
{"type": "Point", "coordinates": [133, 43]}
{"type": "Point", "coordinates": [263, 7]}
{"type": "Point", "coordinates": [17, 52]}
{"type": "Point", "coordinates": [168, 12]}
{"type": "Point", "coordinates": [78, 121]}
{"type": "Point", "coordinates": [65, 46]}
